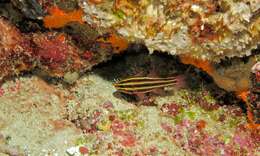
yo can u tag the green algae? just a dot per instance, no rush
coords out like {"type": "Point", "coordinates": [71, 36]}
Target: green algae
{"type": "Point", "coordinates": [120, 14]}
{"type": "Point", "coordinates": [81, 141]}
{"type": "Point", "coordinates": [127, 115]}
{"type": "Point", "coordinates": [188, 113]}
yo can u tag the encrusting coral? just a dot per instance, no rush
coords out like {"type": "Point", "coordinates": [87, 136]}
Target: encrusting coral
{"type": "Point", "coordinates": [208, 30]}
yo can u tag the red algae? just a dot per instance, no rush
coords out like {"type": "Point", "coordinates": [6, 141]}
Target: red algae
{"type": "Point", "coordinates": [88, 55]}
{"type": "Point", "coordinates": [201, 124]}
{"type": "Point", "coordinates": [168, 128]}
{"type": "Point", "coordinates": [117, 126]}
{"type": "Point", "coordinates": [246, 140]}
{"type": "Point", "coordinates": [192, 137]}
{"type": "Point", "coordinates": [206, 105]}
{"type": "Point", "coordinates": [171, 109]}
{"type": "Point", "coordinates": [199, 142]}
{"type": "Point", "coordinates": [108, 105]}
{"type": "Point", "coordinates": [53, 49]}
{"type": "Point", "coordinates": [56, 53]}
{"type": "Point", "coordinates": [83, 150]}
{"type": "Point", "coordinates": [2, 91]}
{"type": "Point", "coordinates": [127, 139]}
{"type": "Point", "coordinates": [89, 124]}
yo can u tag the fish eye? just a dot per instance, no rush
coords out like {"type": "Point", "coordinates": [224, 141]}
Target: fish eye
{"type": "Point", "coordinates": [115, 80]}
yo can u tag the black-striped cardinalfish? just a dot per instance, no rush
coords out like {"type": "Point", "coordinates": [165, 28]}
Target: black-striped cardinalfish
{"type": "Point", "coordinates": [137, 85]}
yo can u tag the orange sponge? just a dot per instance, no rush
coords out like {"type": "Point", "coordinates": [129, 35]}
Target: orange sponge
{"type": "Point", "coordinates": [58, 18]}
{"type": "Point", "coordinates": [251, 125]}
{"type": "Point", "coordinates": [117, 42]}
{"type": "Point", "coordinates": [202, 64]}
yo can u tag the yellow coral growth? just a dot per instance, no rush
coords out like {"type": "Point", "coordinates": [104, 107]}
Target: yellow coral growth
{"type": "Point", "coordinates": [255, 28]}
{"type": "Point", "coordinates": [58, 18]}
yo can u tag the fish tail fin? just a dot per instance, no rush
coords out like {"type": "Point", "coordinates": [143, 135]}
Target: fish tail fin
{"type": "Point", "coordinates": [181, 82]}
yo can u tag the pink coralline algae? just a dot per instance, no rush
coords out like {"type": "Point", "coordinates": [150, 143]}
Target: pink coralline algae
{"type": "Point", "coordinates": [171, 109]}
{"type": "Point", "coordinates": [196, 140]}
{"type": "Point", "coordinates": [88, 55]}
{"type": "Point", "coordinates": [127, 139]}
{"type": "Point", "coordinates": [247, 140]}
{"type": "Point", "coordinates": [117, 126]}
{"type": "Point", "coordinates": [2, 91]}
{"type": "Point", "coordinates": [168, 128]}
{"type": "Point", "coordinates": [119, 129]}
{"type": "Point", "coordinates": [89, 123]}
{"type": "Point", "coordinates": [205, 104]}
{"type": "Point", "coordinates": [108, 105]}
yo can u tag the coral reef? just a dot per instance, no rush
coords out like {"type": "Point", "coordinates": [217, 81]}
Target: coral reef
{"type": "Point", "coordinates": [190, 25]}
{"type": "Point", "coordinates": [64, 39]}
{"type": "Point", "coordinates": [209, 30]}
{"type": "Point", "coordinates": [85, 118]}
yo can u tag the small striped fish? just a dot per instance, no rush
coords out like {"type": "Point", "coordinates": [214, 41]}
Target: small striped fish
{"type": "Point", "coordinates": [147, 84]}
